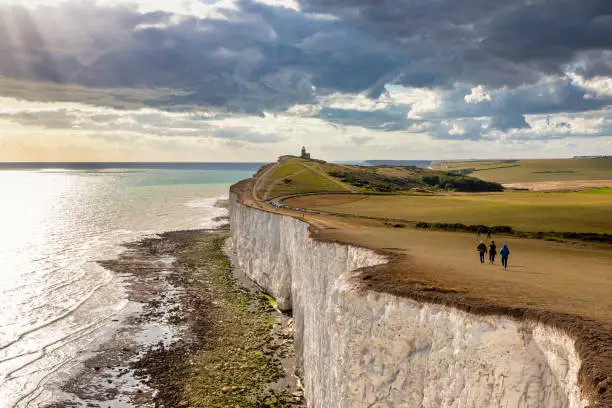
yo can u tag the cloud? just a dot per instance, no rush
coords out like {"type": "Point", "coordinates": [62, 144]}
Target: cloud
{"type": "Point", "coordinates": [477, 94]}
{"type": "Point", "coordinates": [480, 41]}
{"type": "Point", "coordinates": [360, 140]}
{"type": "Point", "coordinates": [248, 56]}
{"type": "Point", "coordinates": [451, 69]}
{"type": "Point", "coordinates": [507, 121]}
{"type": "Point", "coordinates": [246, 135]}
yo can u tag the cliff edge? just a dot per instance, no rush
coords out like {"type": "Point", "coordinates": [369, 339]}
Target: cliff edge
{"type": "Point", "coordinates": [365, 340]}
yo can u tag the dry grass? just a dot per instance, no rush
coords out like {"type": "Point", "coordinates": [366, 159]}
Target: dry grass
{"type": "Point", "coordinates": [564, 185]}
{"type": "Point", "coordinates": [569, 278]}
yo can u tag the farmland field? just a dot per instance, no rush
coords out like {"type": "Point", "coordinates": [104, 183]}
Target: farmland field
{"type": "Point", "coordinates": [587, 211]}
{"type": "Point", "coordinates": [539, 170]}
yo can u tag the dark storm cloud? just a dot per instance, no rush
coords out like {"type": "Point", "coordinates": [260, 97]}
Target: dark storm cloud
{"type": "Point", "coordinates": [261, 57]}
{"type": "Point", "coordinates": [507, 121]}
{"type": "Point", "coordinates": [595, 63]}
{"type": "Point", "coordinates": [381, 119]}
{"type": "Point", "coordinates": [258, 58]}
{"type": "Point", "coordinates": [491, 42]}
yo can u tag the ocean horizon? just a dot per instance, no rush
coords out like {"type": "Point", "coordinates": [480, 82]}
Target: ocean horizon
{"type": "Point", "coordinates": [131, 165]}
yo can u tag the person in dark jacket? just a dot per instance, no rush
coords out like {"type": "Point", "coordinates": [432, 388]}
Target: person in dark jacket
{"type": "Point", "coordinates": [504, 256]}
{"type": "Point", "coordinates": [492, 252]}
{"type": "Point", "coordinates": [482, 250]}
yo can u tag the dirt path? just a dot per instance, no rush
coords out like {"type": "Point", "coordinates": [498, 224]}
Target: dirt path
{"type": "Point", "coordinates": [572, 278]}
{"type": "Point", "coordinates": [261, 179]}
{"type": "Point", "coordinates": [328, 177]}
{"type": "Point", "coordinates": [272, 185]}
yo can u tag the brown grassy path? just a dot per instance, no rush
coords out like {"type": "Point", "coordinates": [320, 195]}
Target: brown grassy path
{"type": "Point", "coordinates": [569, 278]}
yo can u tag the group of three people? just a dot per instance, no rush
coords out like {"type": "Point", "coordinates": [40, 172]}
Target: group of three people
{"type": "Point", "coordinates": [504, 253]}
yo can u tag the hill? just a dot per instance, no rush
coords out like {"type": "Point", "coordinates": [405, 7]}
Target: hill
{"type": "Point", "coordinates": [292, 175]}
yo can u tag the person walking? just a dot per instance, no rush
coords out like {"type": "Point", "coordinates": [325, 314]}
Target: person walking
{"type": "Point", "coordinates": [482, 250]}
{"type": "Point", "coordinates": [504, 256]}
{"type": "Point", "coordinates": [492, 252]}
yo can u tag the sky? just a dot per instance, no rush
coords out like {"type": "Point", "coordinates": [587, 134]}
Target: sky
{"type": "Point", "coordinates": [249, 80]}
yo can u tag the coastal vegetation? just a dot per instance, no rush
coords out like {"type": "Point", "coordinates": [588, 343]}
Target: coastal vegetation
{"type": "Point", "coordinates": [386, 179]}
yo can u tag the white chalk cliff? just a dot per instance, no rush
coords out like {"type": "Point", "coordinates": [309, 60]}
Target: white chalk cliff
{"type": "Point", "coordinates": [359, 348]}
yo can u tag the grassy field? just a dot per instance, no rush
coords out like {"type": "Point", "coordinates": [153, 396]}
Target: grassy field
{"type": "Point", "coordinates": [295, 176]}
{"type": "Point", "coordinates": [539, 170]}
{"type": "Point", "coordinates": [480, 164]}
{"type": "Point", "coordinates": [587, 211]}
{"type": "Point", "coordinates": [598, 191]}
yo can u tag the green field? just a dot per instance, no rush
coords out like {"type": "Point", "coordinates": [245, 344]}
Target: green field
{"type": "Point", "coordinates": [295, 176]}
{"type": "Point", "coordinates": [587, 211]}
{"type": "Point", "coordinates": [480, 164]}
{"type": "Point", "coordinates": [598, 191]}
{"type": "Point", "coordinates": [538, 170]}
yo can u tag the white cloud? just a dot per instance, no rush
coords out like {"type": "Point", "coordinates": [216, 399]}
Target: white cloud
{"type": "Point", "coordinates": [580, 125]}
{"type": "Point", "coordinates": [196, 8]}
{"type": "Point", "coordinates": [457, 129]}
{"type": "Point", "coordinates": [290, 4]}
{"type": "Point", "coordinates": [477, 94]}
{"type": "Point", "coordinates": [423, 102]}
{"type": "Point", "coordinates": [599, 87]}
{"type": "Point", "coordinates": [354, 102]}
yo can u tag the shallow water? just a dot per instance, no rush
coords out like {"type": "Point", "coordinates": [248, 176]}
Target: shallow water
{"type": "Point", "coordinates": [57, 302]}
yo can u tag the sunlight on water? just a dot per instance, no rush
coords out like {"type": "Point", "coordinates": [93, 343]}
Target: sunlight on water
{"type": "Point", "coordinates": [56, 300]}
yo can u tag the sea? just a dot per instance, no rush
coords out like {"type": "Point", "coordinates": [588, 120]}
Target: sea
{"type": "Point", "coordinates": [56, 221]}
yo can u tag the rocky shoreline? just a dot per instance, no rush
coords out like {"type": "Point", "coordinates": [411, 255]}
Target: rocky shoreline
{"type": "Point", "coordinates": [204, 335]}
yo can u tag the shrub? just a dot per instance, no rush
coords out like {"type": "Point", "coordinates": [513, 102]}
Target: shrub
{"type": "Point", "coordinates": [458, 182]}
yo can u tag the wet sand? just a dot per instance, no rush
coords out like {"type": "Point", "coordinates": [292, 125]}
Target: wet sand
{"type": "Point", "coordinates": [202, 336]}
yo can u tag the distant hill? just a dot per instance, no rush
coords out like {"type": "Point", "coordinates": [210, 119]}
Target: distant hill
{"type": "Point", "coordinates": [292, 175]}
{"type": "Point", "coordinates": [418, 163]}
{"type": "Point", "coordinates": [534, 170]}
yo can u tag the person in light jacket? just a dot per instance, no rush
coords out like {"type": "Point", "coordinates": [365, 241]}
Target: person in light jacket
{"type": "Point", "coordinates": [504, 252]}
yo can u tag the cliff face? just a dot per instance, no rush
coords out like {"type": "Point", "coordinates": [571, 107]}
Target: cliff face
{"type": "Point", "coordinates": [359, 348]}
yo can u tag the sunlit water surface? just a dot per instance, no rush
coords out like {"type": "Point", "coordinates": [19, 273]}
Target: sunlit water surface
{"type": "Point", "coordinates": [56, 301]}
